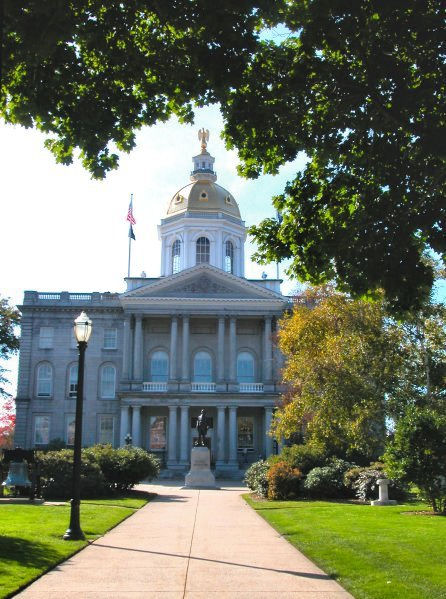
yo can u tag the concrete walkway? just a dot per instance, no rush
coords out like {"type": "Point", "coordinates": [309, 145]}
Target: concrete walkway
{"type": "Point", "coordinates": [188, 544]}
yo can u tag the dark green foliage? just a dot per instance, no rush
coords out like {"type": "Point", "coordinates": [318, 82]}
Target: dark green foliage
{"type": "Point", "coordinates": [9, 341]}
{"type": "Point", "coordinates": [124, 467]}
{"type": "Point", "coordinates": [256, 478]}
{"type": "Point", "coordinates": [56, 468]}
{"type": "Point", "coordinates": [328, 481]}
{"type": "Point", "coordinates": [104, 470]}
{"type": "Point", "coordinates": [56, 444]}
{"type": "Point", "coordinates": [417, 454]}
{"type": "Point", "coordinates": [304, 457]}
{"type": "Point", "coordinates": [283, 481]}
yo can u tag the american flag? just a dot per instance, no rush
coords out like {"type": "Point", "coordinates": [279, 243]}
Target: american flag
{"type": "Point", "coordinates": [130, 216]}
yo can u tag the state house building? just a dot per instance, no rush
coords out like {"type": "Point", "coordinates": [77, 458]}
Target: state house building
{"type": "Point", "coordinates": [199, 336]}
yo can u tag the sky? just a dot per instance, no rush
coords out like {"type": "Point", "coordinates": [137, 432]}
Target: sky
{"type": "Point", "coordinates": [63, 231]}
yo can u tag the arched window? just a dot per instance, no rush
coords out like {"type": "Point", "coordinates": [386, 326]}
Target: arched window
{"type": "Point", "coordinates": [176, 256]}
{"type": "Point", "coordinates": [108, 380]}
{"type": "Point", "coordinates": [159, 367]}
{"type": "Point", "coordinates": [229, 257]}
{"type": "Point", "coordinates": [72, 381]}
{"type": "Point", "coordinates": [245, 367]}
{"type": "Point", "coordinates": [202, 367]}
{"type": "Point", "coordinates": [202, 250]}
{"type": "Point", "coordinates": [44, 380]}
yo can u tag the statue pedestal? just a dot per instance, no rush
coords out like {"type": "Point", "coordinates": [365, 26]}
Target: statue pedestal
{"type": "Point", "coordinates": [200, 474]}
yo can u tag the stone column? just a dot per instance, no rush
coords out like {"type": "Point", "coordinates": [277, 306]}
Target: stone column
{"type": "Point", "coordinates": [267, 352]}
{"type": "Point", "coordinates": [185, 350]}
{"type": "Point", "coordinates": [173, 348]}
{"type": "Point", "coordinates": [124, 425]}
{"type": "Point", "coordinates": [184, 428]}
{"type": "Point", "coordinates": [267, 438]}
{"type": "Point", "coordinates": [221, 350]}
{"type": "Point", "coordinates": [136, 426]}
{"type": "Point", "coordinates": [138, 351]}
{"type": "Point", "coordinates": [233, 435]}
{"type": "Point", "coordinates": [221, 434]}
{"type": "Point", "coordinates": [126, 350]}
{"type": "Point", "coordinates": [172, 441]}
{"type": "Point", "coordinates": [232, 349]}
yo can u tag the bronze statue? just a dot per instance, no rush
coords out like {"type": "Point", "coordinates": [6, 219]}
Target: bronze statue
{"type": "Point", "coordinates": [202, 429]}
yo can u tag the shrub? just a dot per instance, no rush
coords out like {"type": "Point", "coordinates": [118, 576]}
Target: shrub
{"type": "Point", "coordinates": [256, 478]}
{"type": "Point", "coordinates": [328, 481]}
{"type": "Point", "coordinates": [124, 467]}
{"type": "Point", "coordinates": [56, 471]}
{"type": "Point", "coordinates": [283, 481]}
{"type": "Point", "coordinates": [304, 457]}
{"type": "Point", "coordinates": [417, 454]}
{"type": "Point", "coordinates": [364, 482]}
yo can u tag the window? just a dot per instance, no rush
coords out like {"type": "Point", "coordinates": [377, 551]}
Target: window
{"type": "Point", "coordinates": [41, 430]}
{"type": "Point", "coordinates": [176, 256]}
{"type": "Point", "coordinates": [69, 429]}
{"type": "Point", "coordinates": [46, 337]}
{"type": "Point", "coordinates": [157, 432]}
{"type": "Point", "coordinates": [72, 381]}
{"type": "Point", "coordinates": [44, 380]}
{"type": "Point", "coordinates": [202, 250]}
{"type": "Point", "coordinates": [245, 367]}
{"type": "Point", "coordinates": [202, 367]}
{"type": "Point", "coordinates": [106, 429]}
{"type": "Point", "coordinates": [229, 257]}
{"type": "Point", "coordinates": [108, 377]}
{"type": "Point", "coordinates": [110, 337]}
{"type": "Point", "coordinates": [159, 366]}
{"type": "Point", "coordinates": [245, 432]}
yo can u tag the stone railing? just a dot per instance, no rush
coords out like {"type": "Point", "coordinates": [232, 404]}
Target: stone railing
{"type": "Point", "coordinates": [203, 387]}
{"type": "Point", "coordinates": [251, 387]}
{"type": "Point", "coordinates": [154, 386]}
{"type": "Point", "coordinates": [65, 297]}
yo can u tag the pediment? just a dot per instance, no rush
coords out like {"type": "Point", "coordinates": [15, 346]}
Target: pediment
{"type": "Point", "coordinates": [203, 281]}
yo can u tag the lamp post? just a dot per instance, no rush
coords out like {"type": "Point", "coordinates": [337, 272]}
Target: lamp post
{"type": "Point", "coordinates": [82, 332]}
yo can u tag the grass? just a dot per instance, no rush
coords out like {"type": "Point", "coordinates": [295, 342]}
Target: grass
{"type": "Point", "coordinates": [31, 535]}
{"type": "Point", "coordinates": [373, 552]}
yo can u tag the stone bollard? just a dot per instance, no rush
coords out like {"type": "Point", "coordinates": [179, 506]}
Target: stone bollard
{"type": "Point", "coordinates": [383, 499]}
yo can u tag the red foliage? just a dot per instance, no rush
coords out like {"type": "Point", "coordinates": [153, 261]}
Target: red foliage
{"type": "Point", "coordinates": [7, 423]}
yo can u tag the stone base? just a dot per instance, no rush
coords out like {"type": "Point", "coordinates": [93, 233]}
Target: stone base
{"type": "Point", "coordinates": [384, 502]}
{"type": "Point", "coordinates": [200, 475]}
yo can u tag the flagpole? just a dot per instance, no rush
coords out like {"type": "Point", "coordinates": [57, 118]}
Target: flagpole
{"type": "Point", "coordinates": [130, 252]}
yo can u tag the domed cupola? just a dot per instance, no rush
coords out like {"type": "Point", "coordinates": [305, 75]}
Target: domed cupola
{"type": "Point", "coordinates": [203, 222]}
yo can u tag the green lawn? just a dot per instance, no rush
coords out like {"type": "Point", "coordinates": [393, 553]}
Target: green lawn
{"type": "Point", "coordinates": [31, 535]}
{"type": "Point", "coordinates": [373, 552]}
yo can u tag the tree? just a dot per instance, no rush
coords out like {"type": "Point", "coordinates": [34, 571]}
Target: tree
{"type": "Point", "coordinates": [358, 86]}
{"type": "Point", "coordinates": [9, 342]}
{"type": "Point", "coordinates": [421, 380]}
{"type": "Point", "coordinates": [91, 72]}
{"type": "Point", "coordinates": [7, 424]}
{"type": "Point", "coordinates": [417, 454]}
{"type": "Point", "coordinates": [340, 363]}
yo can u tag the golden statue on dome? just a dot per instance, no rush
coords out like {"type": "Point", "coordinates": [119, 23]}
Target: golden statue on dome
{"type": "Point", "coordinates": [203, 136]}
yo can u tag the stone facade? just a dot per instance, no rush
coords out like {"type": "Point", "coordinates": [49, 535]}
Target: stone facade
{"type": "Point", "coordinates": [199, 336]}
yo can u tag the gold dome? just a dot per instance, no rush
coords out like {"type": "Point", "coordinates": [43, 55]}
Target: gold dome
{"type": "Point", "coordinates": [203, 196]}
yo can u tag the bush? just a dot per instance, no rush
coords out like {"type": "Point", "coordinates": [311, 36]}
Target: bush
{"type": "Point", "coordinates": [124, 467]}
{"type": "Point", "coordinates": [304, 457]}
{"type": "Point", "coordinates": [104, 470]}
{"type": "Point", "coordinates": [417, 455]}
{"type": "Point", "coordinates": [328, 481]}
{"type": "Point", "coordinates": [56, 471]}
{"type": "Point", "coordinates": [364, 482]}
{"type": "Point", "coordinates": [283, 481]}
{"type": "Point", "coordinates": [256, 478]}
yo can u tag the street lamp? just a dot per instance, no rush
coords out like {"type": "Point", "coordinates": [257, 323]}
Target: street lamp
{"type": "Point", "coordinates": [82, 332]}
